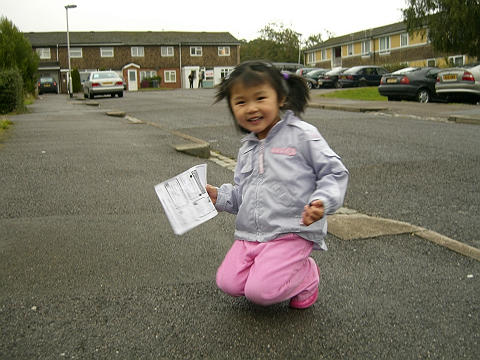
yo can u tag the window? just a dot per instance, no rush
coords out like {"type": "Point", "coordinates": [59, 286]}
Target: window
{"type": "Point", "coordinates": [170, 76]}
{"type": "Point", "coordinates": [456, 60]}
{"type": "Point", "coordinates": [311, 58]}
{"type": "Point", "coordinates": [167, 50]}
{"type": "Point", "coordinates": [324, 54]}
{"type": "Point", "coordinates": [404, 39]}
{"type": "Point", "coordinates": [366, 47]}
{"type": "Point", "coordinates": [224, 51]}
{"type": "Point", "coordinates": [137, 51]}
{"type": "Point", "coordinates": [225, 72]}
{"type": "Point", "coordinates": [195, 51]}
{"type": "Point", "coordinates": [350, 49]}
{"type": "Point", "coordinates": [431, 62]}
{"type": "Point", "coordinates": [76, 52]}
{"type": "Point", "coordinates": [384, 44]}
{"type": "Point", "coordinates": [106, 52]}
{"type": "Point", "coordinates": [43, 53]}
{"type": "Point", "coordinates": [147, 74]}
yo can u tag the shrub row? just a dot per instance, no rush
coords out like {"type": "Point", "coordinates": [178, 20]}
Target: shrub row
{"type": "Point", "coordinates": [11, 91]}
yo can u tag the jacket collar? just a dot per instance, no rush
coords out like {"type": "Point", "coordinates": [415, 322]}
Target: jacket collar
{"type": "Point", "coordinates": [286, 118]}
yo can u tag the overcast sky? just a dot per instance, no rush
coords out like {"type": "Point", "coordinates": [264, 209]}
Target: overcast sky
{"type": "Point", "coordinates": [242, 18]}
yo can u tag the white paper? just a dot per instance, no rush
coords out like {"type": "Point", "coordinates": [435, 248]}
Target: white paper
{"type": "Point", "coordinates": [185, 199]}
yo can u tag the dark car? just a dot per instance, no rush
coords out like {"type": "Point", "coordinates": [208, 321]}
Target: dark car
{"type": "Point", "coordinates": [362, 76]}
{"type": "Point", "coordinates": [47, 84]}
{"type": "Point", "coordinates": [311, 77]}
{"type": "Point", "coordinates": [330, 78]}
{"type": "Point", "coordinates": [410, 84]}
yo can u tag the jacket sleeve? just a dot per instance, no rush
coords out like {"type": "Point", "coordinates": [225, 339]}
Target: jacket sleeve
{"type": "Point", "coordinates": [229, 196]}
{"type": "Point", "coordinates": [331, 175]}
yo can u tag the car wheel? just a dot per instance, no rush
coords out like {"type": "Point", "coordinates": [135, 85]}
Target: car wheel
{"type": "Point", "coordinates": [338, 85]}
{"type": "Point", "coordinates": [120, 94]}
{"type": "Point", "coordinates": [90, 95]}
{"type": "Point", "coordinates": [309, 85]}
{"type": "Point", "coordinates": [423, 96]}
{"type": "Point", "coordinates": [85, 95]}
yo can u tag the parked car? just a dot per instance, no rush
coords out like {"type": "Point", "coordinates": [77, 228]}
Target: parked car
{"type": "Point", "coordinates": [462, 83]}
{"type": "Point", "coordinates": [330, 78]}
{"type": "Point", "coordinates": [413, 83]}
{"type": "Point", "coordinates": [47, 84]}
{"type": "Point", "coordinates": [303, 71]}
{"type": "Point", "coordinates": [103, 83]}
{"type": "Point", "coordinates": [362, 76]}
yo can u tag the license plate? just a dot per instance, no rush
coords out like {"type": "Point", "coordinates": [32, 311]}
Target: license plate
{"type": "Point", "coordinates": [449, 77]}
{"type": "Point", "coordinates": [391, 81]}
{"type": "Point", "coordinates": [108, 83]}
{"type": "Point", "coordinates": [46, 85]}
{"type": "Point", "coordinates": [320, 83]}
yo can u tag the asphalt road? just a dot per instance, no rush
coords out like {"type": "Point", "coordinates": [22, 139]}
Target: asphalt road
{"type": "Point", "coordinates": [89, 267]}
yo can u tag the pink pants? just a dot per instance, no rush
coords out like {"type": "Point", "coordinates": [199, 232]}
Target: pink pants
{"type": "Point", "coordinates": [271, 272]}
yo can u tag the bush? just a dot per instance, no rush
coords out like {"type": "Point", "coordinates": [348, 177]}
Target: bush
{"type": "Point", "coordinates": [76, 83]}
{"type": "Point", "coordinates": [11, 91]}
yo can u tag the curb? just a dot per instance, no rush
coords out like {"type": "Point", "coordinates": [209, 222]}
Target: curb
{"type": "Point", "coordinates": [351, 108]}
{"type": "Point", "coordinates": [462, 119]}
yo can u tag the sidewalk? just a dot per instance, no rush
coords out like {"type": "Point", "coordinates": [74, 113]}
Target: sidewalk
{"type": "Point", "coordinates": [460, 113]}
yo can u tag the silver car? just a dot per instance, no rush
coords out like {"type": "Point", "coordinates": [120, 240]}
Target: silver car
{"type": "Point", "coordinates": [462, 83]}
{"type": "Point", "coordinates": [103, 83]}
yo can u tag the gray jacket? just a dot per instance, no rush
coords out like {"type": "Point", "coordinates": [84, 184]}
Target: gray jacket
{"type": "Point", "coordinates": [275, 178]}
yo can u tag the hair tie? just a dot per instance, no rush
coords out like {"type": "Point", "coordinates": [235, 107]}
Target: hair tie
{"type": "Point", "coordinates": [285, 76]}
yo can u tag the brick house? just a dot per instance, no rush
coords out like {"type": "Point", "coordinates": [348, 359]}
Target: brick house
{"type": "Point", "coordinates": [139, 55]}
{"type": "Point", "coordinates": [390, 44]}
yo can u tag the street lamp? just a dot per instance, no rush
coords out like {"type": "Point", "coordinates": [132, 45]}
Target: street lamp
{"type": "Point", "coordinates": [70, 90]}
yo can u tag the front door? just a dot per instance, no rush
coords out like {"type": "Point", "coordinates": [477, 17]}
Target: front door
{"type": "Point", "coordinates": [132, 80]}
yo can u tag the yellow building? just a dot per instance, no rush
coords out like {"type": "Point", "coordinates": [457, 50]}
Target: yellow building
{"type": "Point", "coordinates": [390, 44]}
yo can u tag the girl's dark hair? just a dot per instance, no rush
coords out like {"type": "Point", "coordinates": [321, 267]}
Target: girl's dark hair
{"type": "Point", "coordinates": [251, 73]}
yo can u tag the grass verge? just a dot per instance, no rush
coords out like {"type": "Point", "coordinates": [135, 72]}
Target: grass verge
{"type": "Point", "coordinates": [4, 124]}
{"type": "Point", "coordinates": [364, 93]}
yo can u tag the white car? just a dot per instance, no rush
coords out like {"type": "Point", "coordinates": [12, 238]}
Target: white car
{"type": "Point", "coordinates": [103, 83]}
{"type": "Point", "coordinates": [462, 83]}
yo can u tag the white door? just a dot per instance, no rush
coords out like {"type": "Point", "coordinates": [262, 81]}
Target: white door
{"type": "Point", "coordinates": [132, 80]}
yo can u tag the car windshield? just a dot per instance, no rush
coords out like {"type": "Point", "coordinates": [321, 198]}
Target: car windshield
{"type": "Point", "coordinates": [353, 70]}
{"type": "Point", "coordinates": [335, 71]}
{"type": "Point", "coordinates": [405, 70]}
{"type": "Point", "coordinates": [104, 76]}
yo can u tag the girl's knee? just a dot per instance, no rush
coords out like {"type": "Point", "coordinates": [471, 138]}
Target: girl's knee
{"type": "Point", "coordinates": [228, 284]}
{"type": "Point", "coordinates": [262, 294]}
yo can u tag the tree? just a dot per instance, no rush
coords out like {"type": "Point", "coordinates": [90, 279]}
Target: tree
{"type": "Point", "coordinates": [16, 53]}
{"type": "Point", "coordinates": [453, 25]}
{"type": "Point", "coordinates": [276, 43]}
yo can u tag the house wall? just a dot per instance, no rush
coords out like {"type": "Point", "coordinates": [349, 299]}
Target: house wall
{"type": "Point", "coordinates": [152, 60]}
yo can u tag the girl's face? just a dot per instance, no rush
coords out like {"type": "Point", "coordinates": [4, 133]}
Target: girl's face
{"type": "Point", "coordinates": [256, 108]}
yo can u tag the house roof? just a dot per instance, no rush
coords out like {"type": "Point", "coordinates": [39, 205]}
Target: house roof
{"type": "Point", "coordinates": [362, 35]}
{"type": "Point", "coordinates": [130, 38]}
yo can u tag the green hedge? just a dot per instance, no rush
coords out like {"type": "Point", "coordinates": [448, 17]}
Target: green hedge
{"type": "Point", "coordinates": [11, 91]}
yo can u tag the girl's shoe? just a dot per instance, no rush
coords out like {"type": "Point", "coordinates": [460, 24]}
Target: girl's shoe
{"type": "Point", "coordinates": [295, 303]}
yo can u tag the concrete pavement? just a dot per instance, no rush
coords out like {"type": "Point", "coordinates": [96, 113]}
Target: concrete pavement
{"type": "Point", "coordinates": [89, 267]}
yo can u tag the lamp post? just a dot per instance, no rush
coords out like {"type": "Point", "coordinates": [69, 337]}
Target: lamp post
{"type": "Point", "coordinates": [69, 79]}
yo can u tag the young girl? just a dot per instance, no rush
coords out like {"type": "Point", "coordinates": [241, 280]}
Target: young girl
{"type": "Point", "coordinates": [286, 180]}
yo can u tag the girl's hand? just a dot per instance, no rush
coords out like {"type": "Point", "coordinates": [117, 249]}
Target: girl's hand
{"type": "Point", "coordinates": [313, 212]}
{"type": "Point", "coordinates": [213, 193]}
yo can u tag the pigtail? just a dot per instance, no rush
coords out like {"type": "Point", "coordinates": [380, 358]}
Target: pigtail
{"type": "Point", "coordinates": [298, 93]}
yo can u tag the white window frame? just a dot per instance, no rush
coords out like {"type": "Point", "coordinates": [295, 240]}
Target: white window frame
{"type": "Point", "coordinates": [106, 52]}
{"type": "Point", "coordinates": [196, 51]}
{"type": "Point", "coordinates": [455, 57]}
{"type": "Point", "coordinates": [324, 54]}
{"type": "Point", "coordinates": [147, 74]}
{"type": "Point", "coordinates": [137, 51]}
{"type": "Point", "coordinates": [434, 62]}
{"type": "Point", "coordinates": [224, 51]}
{"type": "Point", "coordinates": [311, 57]}
{"type": "Point", "coordinates": [170, 76]}
{"type": "Point", "coordinates": [385, 49]}
{"type": "Point", "coordinates": [224, 72]}
{"type": "Point", "coordinates": [404, 39]}
{"type": "Point", "coordinates": [350, 49]}
{"type": "Point", "coordinates": [166, 51]}
{"type": "Point", "coordinates": [76, 53]}
{"type": "Point", "coordinates": [44, 53]}
{"type": "Point", "coordinates": [366, 46]}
